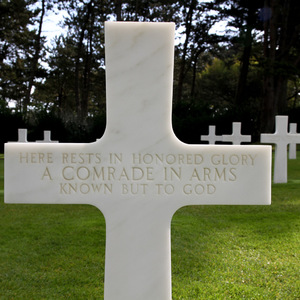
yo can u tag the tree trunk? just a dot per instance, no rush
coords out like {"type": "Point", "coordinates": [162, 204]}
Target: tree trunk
{"type": "Point", "coordinates": [119, 10]}
{"type": "Point", "coordinates": [269, 107]}
{"type": "Point", "coordinates": [195, 61]}
{"type": "Point", "coordinates": [281, 35]}
{"type": "Point", "coordinates": [87, 71]}
{"type": "Point", "coordinates": [35, 60]}
{"type": "Point", "coordinates": [78, 98]}
{"type": "Point", "coordinates": [188, 24]}
{"type": "Point", "coordinates": [241, 94]}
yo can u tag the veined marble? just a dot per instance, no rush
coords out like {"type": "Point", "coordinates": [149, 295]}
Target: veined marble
{"type": "Point", "coordinates": [138, 174]}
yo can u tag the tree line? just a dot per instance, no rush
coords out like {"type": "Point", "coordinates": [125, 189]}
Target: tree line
{"type": "Point", "coordinates": [249, 73]}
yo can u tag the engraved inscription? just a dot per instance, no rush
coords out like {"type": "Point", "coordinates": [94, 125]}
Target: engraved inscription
{"type": "Point", "coordinates": [139, 173]}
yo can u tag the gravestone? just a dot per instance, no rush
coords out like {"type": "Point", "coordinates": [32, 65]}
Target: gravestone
{"type": "Point", "coordinates": [236, 138]}
{"type": "Point", "coordinates": [281, 138]}
{"type": "Point", "coordinates": [22, 135]}
{"type": "Point", "coordinates": [138, 174]}
{"type": "Point", "coordinates": [212, 138]}
{"type": "Point", "coordinates": [293, 146]}
{"type": "Point", "coordinates": [47, 138]}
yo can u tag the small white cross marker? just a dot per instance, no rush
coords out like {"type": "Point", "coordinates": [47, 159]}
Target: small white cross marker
{"type": "Point", "coordinates": [236, 138]}
{"type": "Point", "coordinates": [22, 135]}
{"type": "Point", "coordinates": [281, 138]}
{"type": "Point", "coordinates": [212, 138]}
{"type": "Point", "coordinates": [293, 146]}
{"type": "Point", "coordinates": [47, 138]}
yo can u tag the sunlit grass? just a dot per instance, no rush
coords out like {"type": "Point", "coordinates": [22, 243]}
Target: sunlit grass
{"type": "Point", "coordinates": [218, 252]}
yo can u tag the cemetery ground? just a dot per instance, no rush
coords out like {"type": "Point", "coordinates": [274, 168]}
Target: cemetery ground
{"type": "Point", "coordinates": [218, 252]}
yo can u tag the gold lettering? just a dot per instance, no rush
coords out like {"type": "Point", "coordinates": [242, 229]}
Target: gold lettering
{"type": "Point", "coordinates": [123, 174]}
{"type": "Point", "coordinates": [206, 174]}
{"type": "Point", "coordinates": [33, 158]}
{"type": "Point", "coordinates": [187, 189]}
{"type": "Point", "coordinates": [211, 189]}
{"type": "Point", "coordinates": [215, 159]}
{"type": "Point", "coordinates": [65, 158]}
{"type": "Point", "coordinates": [62, 188]}
{"type": "Point", "coordinates": [97, 175]}
{"type": "Point", "coordinates": [232, 173]}
{"type": "Point", "coordinates": [169, 172]}
{"type": "Point", "coordinates": [84, 188]}
{"type": "Point", "coordinates": [68, 171]}
{"type": "Point", "coordinates": [81, 158]}
{"type": "Point", "coordinates": [195, 175]}
{"type": "Point", "coordinates": [83, 173]}
{"type": "Point", "coordinates": [244, 159]}
{"type": "Point", "coordinates": [46, 174]}
{"type": "Point", "coordinates": [23, 157]}
{"type": "Point", "coordinates": [137, 173]}
{"type": "Point", "coordinates": [111, 173]}
{"type": "Point", "coordinates": [199, 189]}
{"type": "Point", "coordinates": [136, 158]}
{"type": "Point", "coordinates": [220, 176]}
{"type": "Point", "coordinates": [149, 174]}
{"type": "Point", "coordinates": [252, 159]}
{"type": "Point", "coordinates": [115, 158]}
{"type": "Point", "coordinates": [41, 157]}
{"type": "Point", "coordinates": [98, 160]}
{"type": "Point", "coordinates": [234, 159]}
{"type": "Point", "coordinates": [73, 158]}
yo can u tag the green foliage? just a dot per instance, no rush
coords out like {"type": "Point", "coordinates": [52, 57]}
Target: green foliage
{"type": "Point", "coordinates": [69, 131]}
{"type": "Point", "coordinates": [217, 83]}
{"type": "Point", "coordinates": [218, 252]}
{"type": "Point", "coordinates": [9, 125]}
{"type": "Point", "coordinates": [236, 72]}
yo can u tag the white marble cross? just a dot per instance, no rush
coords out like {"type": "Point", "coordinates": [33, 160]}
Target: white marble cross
{"type": "Point", "coordinates": [138, 174]}
{"type": "Point", "coordinates": [22, 135]}
{"type": "Point", "coordinates": [293, 146]}
{"type": "Point", "coordinates": [47, 138]}
{"type": "Point", "coordinates": [236, 138]}
{"type": "Point", "coordinates": [212, 138]}
{"type": "Point", "coordinates": [281, 138]}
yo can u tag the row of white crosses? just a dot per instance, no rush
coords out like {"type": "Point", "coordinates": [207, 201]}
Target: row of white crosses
{"type": "Point", "coordinates": [281, 138]}
{"type": "Point", "coordinates": [236, 138]}
{"type": "Point", "coordinates": [22, 136]}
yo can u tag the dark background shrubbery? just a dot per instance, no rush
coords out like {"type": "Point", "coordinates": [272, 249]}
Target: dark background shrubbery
{"type": "Point", "coordinates": [189, 123]}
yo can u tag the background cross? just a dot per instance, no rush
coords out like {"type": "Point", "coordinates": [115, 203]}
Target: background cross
{"type": "Point", "coordinates": [212, 138]}
{"type": "Point", "coordinates": [293, 146]}
{"type": "Point", "coordinates": [281, 138]}
{"type": "Point", "coordinates": [236, 138]}
{"type": "Point", "coordinates": [47, 138]}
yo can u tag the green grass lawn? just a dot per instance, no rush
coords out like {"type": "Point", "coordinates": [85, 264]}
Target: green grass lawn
{"type": "Point", "coordinates": [218, 252]}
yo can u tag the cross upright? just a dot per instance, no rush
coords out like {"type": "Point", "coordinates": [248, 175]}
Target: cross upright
{"type": "Point", "coordinates": [293, 146]}
{"type": "Point", "coordinates": [236, 138]}
{"type": "Point", "coordinates": [138, 174]}
{"type": "Point", "coordinates": [212, 138]}
{"type": "Point", "coordinates": [281, 138]}
{"type": "Point", "coordinates": [22, 135]}
{"type": "Point", "coordinates": [47, 138]}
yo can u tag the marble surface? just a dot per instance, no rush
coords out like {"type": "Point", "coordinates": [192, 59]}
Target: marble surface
{"type": "Point", "coordinates": [281, 138]}
{"type": "Point", "coordinates": [138, 174]}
